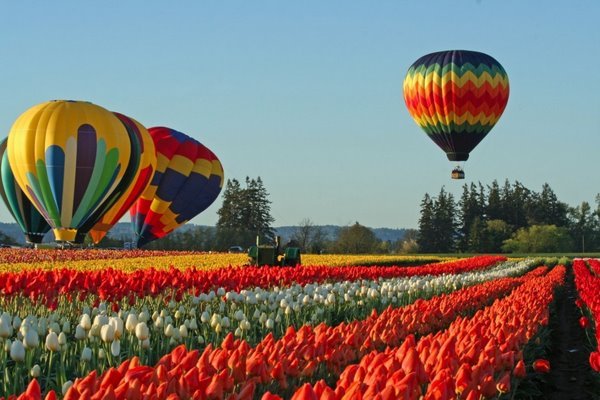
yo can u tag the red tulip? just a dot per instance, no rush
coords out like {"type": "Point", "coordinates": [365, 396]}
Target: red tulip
{"type": "Point", "coordinates": [595, 361]}
{"type": "Point", "coordinates": [519, 370]}
{"type": "Point", "coordinates": [541, 365]}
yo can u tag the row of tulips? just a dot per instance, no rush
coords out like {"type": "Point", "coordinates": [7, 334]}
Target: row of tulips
{"type": "Point", "coordinates": [474, 358]}
{"type": "Point", "coordinates": [97, 338]}
{"type": "Point", "coordinates": [588, 286]}
{"type": "Point", "coordinates": [234, 369]}
{"type": "Point", "coordinates": [16, 260]}
{"type": "Point", "coordinates": [113, 285]}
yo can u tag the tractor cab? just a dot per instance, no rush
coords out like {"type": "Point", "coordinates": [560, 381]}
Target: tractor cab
{"type": "Point", "coordinates": [265, 254]}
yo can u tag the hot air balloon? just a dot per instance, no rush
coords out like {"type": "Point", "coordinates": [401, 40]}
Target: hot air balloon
{"type": "Point", "coordinates": [32, 223]}
{"type": "Point", "coordinates": [69, 157]}
{"type": "Point", "coordinates": [188, 179]}
{"type": "Point", "coordinates": [456, 97]}
{"type": "Point", "coordinates": [143, 175]}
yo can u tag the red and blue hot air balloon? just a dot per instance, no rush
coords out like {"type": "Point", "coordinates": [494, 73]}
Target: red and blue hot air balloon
{"type": "Point", "coordinates": [188, 179]}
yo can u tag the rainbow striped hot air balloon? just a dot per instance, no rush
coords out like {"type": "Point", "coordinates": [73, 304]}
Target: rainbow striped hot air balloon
{"type": "Point", "coordinates": [188, 179]}
{"type": "Point", "coordinates": [456, 97]}
{"type": "Point", "coordinates": [70, 158]}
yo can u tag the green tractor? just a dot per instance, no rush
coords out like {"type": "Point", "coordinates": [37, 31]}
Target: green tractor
{"type": "Point", "coordinates": [264, 254]}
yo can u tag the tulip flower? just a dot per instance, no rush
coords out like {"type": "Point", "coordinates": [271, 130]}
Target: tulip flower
{"type": "Point", "coordinates": [52, 342]}
{"type": "Point", "coordinates": [141, 331]}
{"type": "Point", "coordinates": [541, 365]}
{"type": "Point", "coordinates": [17, 351]}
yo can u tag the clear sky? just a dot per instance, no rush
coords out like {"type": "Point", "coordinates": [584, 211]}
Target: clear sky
{"type": "Point", "coordinates": [308, 94]}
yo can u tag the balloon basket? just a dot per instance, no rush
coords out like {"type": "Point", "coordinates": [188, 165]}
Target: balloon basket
{"type": "Point", "coordinates": [458, 173]}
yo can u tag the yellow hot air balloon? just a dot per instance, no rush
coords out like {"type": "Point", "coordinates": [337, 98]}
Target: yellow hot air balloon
{"type": "Point", "coordinates": [69, 157]}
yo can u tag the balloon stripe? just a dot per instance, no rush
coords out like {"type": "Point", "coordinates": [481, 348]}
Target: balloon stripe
{"type": "Point", "coordinates": [85, 204]}
{"type": "Point", "coordinates": [55, 165]}
{"type": "Point", "coordinates": [86, 161]}
{"type": "Point", "coordinates": [69, 181]}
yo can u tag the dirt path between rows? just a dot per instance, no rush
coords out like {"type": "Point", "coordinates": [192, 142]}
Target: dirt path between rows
{"type": "Point", "coordinates": [570, 376]}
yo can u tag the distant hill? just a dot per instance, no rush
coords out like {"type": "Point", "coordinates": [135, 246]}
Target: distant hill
{"type": "Point", "coordinates": [331, 232]}
{"type": "Point", "coordinates": [122, 230]}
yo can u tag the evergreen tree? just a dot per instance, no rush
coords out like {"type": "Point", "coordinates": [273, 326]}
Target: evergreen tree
{"type": "Point", "coordinates": [444, 222]}
{"type": "Point", "coordinates": [426, 236]}
{"type": "Point", "coordinates": [245, 214]}
{"type": "Point", "coordinates": [494, 208]}
{"type": "Point", "coordinates": [583, 227]}
{"type": "Point", "coordinates": [471, 208]}
{"type": "Point", "coordinates": [545, 209]}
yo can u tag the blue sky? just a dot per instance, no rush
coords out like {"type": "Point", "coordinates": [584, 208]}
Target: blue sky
{"type": "Point", "coordinates": [308, 94]}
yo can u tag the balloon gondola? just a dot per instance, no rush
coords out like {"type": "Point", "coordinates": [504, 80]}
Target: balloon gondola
{"type": "Point", "coordinates": [456, 97]}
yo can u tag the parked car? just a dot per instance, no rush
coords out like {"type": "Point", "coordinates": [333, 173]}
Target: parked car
{"type": "Point", "coordinates": [236, 249]}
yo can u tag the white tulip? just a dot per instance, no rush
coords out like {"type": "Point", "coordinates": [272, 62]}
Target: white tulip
{"type": "Point", "coordinates": [35, 371]}
{"type": "Point", "coordinates": [107, 333]}
{"type": "Point", "coordinates": [62, 339]}
{"type": "Point", "coordinates": [101, 354]}
{"type": "Point", "coordinates": [221, 291]}
{"type": "Point", "coordinates": [17, 351]}
{"type": "Point", "coordinates": [54, 327]}
{"type": "Point", "coordinates": [16, 323]}
{"type": "Point", "coordinates": [193, 324]}
{"type": "Point", "coordinates": [66, 328]}
{"type": "Point", "coordinates": [131, 322]}
{"type": "Point", "coordinates": [225, 322]}
{"type": "Point", "coordinates": [239, 315]}
{"type": "Point", "coordinates": [52, 342]}
{"type": "Point", "coordinates": [169, 330]}
{"type": "Point", "coordinates": [238, 332]}
{"type": "Point", "coordinates": [101, 319]}
{"type": "Point", "coordinates": [270, 324]}
{"type": "Point", "coordinates": [117, 323]}
{"type": "Point", "coordinates": [31, 339]}
{"type": "Point", "coordinates": [143, 317]}
{"type": "Point", "coordinates": [86, 354]}
{"type": "Point", "coordinates": [141, 331]}
{"type": "Point", "coordinates": [205, 317]}
{"type": "Point", "coordinates": [146, 344]}
{"type": "Point", "coordinates": [183, 332]}
{"type": "Point", "coordinates": [115, 348]}
{"type": "Point", "coordinates": [6, 329]}
{"type": "Point", "coordinates": [80, 333]}
{"type": "Point", "coordinates": [66, 386]}
{"type": "Point", "coordinates": [85, 322]}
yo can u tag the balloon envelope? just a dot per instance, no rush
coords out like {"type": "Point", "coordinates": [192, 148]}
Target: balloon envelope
{"type": "Point", "coordinates": [456, 97]}
{"type": "Point", "coordinates": [69, 157]}
{"type": "Point", "coordinates": [32, 223]}
{"type": "Point", "coordinates": [143, 173]}
{"type": "Point", "coordinates": [188, 179]}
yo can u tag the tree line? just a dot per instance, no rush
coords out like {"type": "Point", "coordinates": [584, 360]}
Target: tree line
{"type": "Point", "coordinates": [507, 218]}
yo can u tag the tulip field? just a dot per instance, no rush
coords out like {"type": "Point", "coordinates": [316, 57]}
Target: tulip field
{"type": "Point", "coordinates": [93, 324]}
